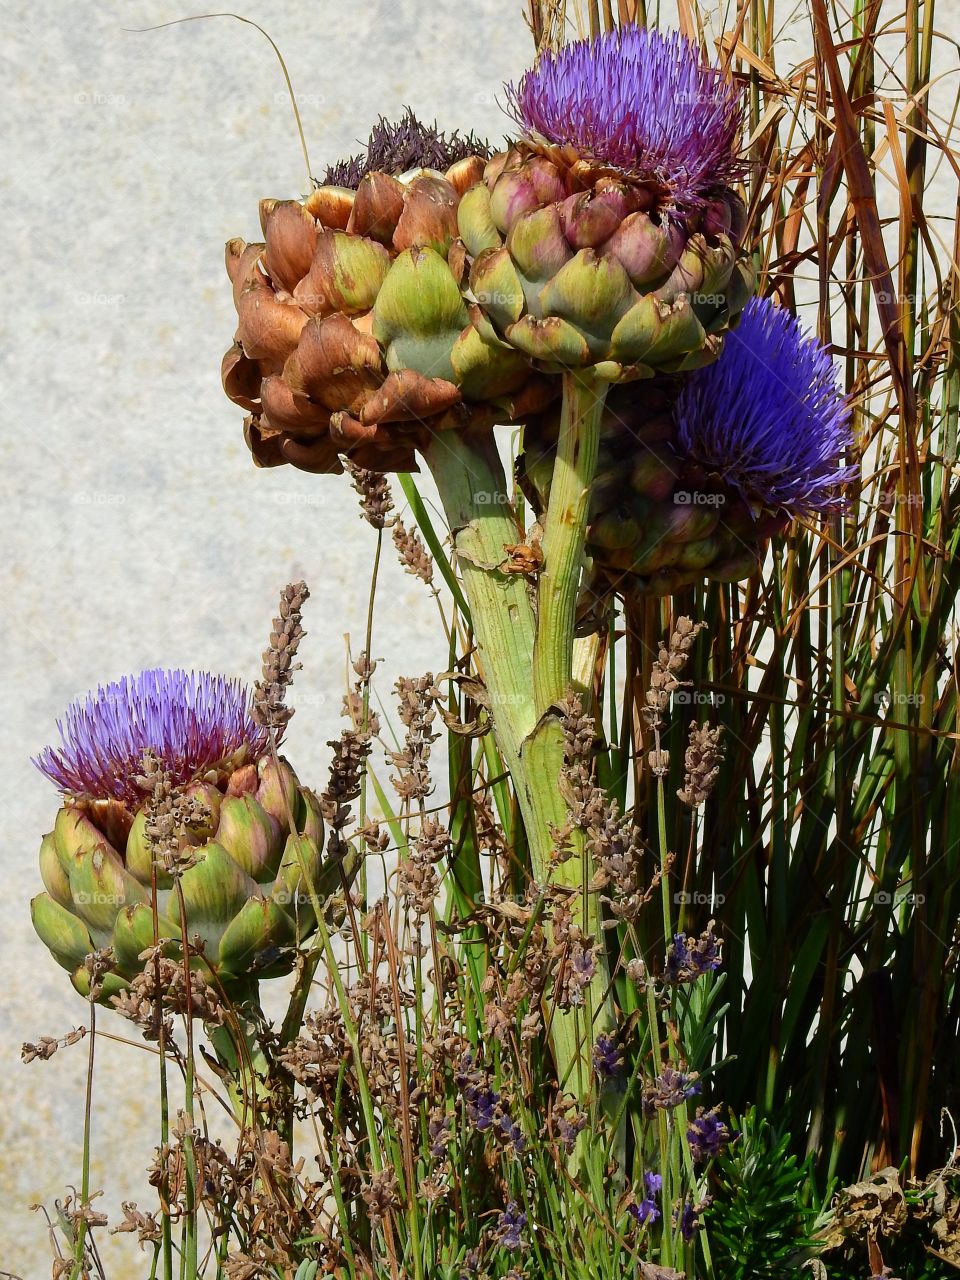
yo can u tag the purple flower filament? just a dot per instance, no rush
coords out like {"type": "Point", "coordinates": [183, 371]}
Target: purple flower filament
{"type": "Point", "coordinates": [768, 416]}
{"type": "Point", "coordinates": [191, 720]}
{"type": "Point", "coordinates": [642, 101]}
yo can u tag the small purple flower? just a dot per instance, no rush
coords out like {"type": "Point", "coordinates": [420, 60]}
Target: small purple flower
{"type": "Point", "coordinates": [769, 416]}
{"type": "Point", "coordinates": [485, 1109]}
{"type": "Point", "coordinates": [438, 1131]}
{"type": "Point", "coordinates": [607, 1057]}
{"type": "Point", "coordinates": [670, 1089]}
{"type": "Point", "coordinates": [688, 1218]}
{"type": "Point", "coordinates": [689, 958]}
{"type": "Point", "coordinates": [707, 1135]}
{"type": "Point", "coordinates": [569, 1125]}
{"type": "Point", "coordinates": [647, 1211]}
{"type": "Point", "coordinates": [191, 720]}
{"type": "Point", "coordinates": [470, 1265]}
{"type": "Point", "coordinates": [645, 102]}
{"type": "Point", "coordinates": [509, 1232]}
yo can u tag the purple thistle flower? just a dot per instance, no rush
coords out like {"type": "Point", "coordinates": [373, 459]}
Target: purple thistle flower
{"type": "Point", "coordinates": [645, 102]}
{"type": "Point", "coordinates": [707, 1135]}
{"type": "Point", "coordinates": [510, 1227]}
{"type": "Point", "coordinates": [769, 415]}
{"type": "Point", "coordinates": [191, 720]}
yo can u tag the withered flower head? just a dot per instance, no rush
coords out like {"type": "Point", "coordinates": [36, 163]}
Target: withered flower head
{"type": "Point", "coordinates": [396, 146]}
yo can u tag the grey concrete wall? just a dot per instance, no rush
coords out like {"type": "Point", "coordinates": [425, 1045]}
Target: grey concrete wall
{"type": "Point", "coordinates": [136, 531]}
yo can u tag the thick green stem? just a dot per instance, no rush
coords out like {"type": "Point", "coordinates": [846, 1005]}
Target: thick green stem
{"type": "Point", "coordinates": [564, 536]}
{"type": "Point", "coordinates": [473, 490]}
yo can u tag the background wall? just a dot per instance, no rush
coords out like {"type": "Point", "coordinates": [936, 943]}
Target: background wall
{"type": "Point", "coordinates": [136, 530]}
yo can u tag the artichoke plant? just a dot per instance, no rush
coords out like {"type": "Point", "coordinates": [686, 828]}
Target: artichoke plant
{"type": "Point", "coordinates": [240, 895]}
{"type": "Point", "coordinates": [353, 337]}
{"type": "Point", "coordinates": [696, 474]}
{"type": "Point", "coordinates": [609, 237]}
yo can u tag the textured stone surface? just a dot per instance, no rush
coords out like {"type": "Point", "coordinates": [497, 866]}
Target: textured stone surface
{"type": "Point", "coordinates": [137, 531]}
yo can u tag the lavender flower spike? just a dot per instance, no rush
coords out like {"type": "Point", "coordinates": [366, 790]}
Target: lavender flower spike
{"type": "Point", "coordinates": [191, 720]}
{"type": "Point", "coordinates": [645, 102]}
{"type": "Point", "coordinates": [769, 417]}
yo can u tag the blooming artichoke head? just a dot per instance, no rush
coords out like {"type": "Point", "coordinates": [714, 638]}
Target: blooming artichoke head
{"type": "Point", "coordinates": [609, 235]}
{"type": "Point", "coordinates": [353, 336]}
{"type": "Point", "coordinates": [241, 897]}
{"type": "Point", "coordinates": [696, 473]}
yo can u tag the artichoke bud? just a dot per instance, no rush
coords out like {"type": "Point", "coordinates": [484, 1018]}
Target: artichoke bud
{"type": "Point", "coordinates": [475, 221]}
{"type": "Point", "coordinates": [133, 933]}
{"type": "Point", "coordinates": [591, 292]}
{"type": "Point", "coordinates": [54, 871]}
{"type": "Point", "coordinates": [419, 314]}
{"type": "Point", "coordinates": [63, 933]}
{"type": "Point", "coordinates": [380, 261]}
{"type": "Point", "coordinates": [99, 886]}
{"type": "Point", "coordinates": [251, 836]}
{"type": "Point", "coordinates": [277, 792]}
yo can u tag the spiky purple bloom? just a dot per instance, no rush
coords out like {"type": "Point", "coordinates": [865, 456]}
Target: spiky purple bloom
{"type": "Point", "coordinates": [191, 720]}
{"type": "Point", "coordinates": [769, 416]}
{"type": "Point", "coordinates": [645, 102]}
{"type": "Point", "coordinates": [396, 146]}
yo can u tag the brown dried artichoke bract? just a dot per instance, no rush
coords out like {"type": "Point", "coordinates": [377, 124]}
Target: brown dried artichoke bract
{"type": "Point", "coordinates": [578, 265]}
{"type": "Point", "coordinates": [353, 337]}
{"type": "Point", "coordinates": [657, 522]}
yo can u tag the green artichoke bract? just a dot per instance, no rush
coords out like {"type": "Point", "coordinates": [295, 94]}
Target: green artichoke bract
{"type": "Point", "coordinates": [608, 238]}
{"type": "Point", "coordinates": [244, 892]}
{"type": "Point", "coordinates": [353, 336]}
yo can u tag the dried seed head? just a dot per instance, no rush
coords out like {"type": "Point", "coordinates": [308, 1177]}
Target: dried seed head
{"type": "Point", "coordinates": [278, 659]}
{"type": "Point", "coordinates": [47, 1046]}
{"type": "Point", "coordinates": [376, 501]}
{"type": "Point", "coordinates": [381, 1195]}
{"type": "Point", "coordinates": [413, 554]}
{"type": "Point", "coordinates": [701, 764]}
{"type": "Point", "coordinates": [169, 816]}
{"type": "Point", "coordinates": [665, 674]}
